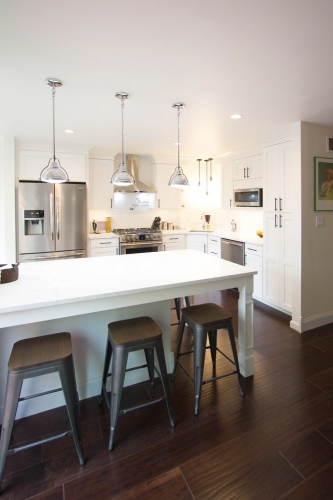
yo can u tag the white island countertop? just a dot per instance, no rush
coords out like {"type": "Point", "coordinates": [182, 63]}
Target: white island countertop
{"type": "Point", "coordinates": [64, 282]}
{"type": "Point", "coordinates": [82, 296]}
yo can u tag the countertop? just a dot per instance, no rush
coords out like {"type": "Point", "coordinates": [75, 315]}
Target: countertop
{"type": "Point", "coordinates": [236, 235]}
{"type": "Point", "coordinates": [230, 235]}
{"type": "Point", "coordinates": [76, 282]}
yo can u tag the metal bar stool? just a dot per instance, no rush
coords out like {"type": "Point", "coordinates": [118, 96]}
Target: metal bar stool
{"type": "Point", "coordinates": [205, 319]}
{"type": "Point", "coordinates": [177, 305]}
{"type": "Point", "coordinates": [31, 358]}
{"type": "Point", "coordinates": [124, 337]}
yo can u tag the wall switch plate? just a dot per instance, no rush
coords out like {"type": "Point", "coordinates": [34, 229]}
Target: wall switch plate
{"type": "Point", "coordinates": [320, 221]}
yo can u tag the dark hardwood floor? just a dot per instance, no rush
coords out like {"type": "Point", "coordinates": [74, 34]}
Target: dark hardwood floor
{"type": "Point", "coordinates": [275, 443]}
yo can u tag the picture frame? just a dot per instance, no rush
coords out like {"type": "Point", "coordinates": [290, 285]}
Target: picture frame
{"type": "Point", "coordinates": [323, 183]}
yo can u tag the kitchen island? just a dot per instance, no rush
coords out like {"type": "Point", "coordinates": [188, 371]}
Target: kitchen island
{"type": "Point", "coordinates": [83, 295]}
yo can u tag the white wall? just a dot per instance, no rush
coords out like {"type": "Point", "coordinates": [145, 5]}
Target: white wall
{"type": "Point", "coordinates": [7, 200]}
{"type": "Point", "coordinates": [317, 243]}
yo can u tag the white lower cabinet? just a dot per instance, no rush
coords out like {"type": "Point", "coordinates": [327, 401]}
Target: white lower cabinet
{"type": "Point", "coordinates": [103, 247]}
{"type": "Point", "coordinates": [174, 242]}
{"type": "Point", "coordinates": [197, 242]}
{"type": "Point", "coordinates": [278, 234]}
{"type": "Point", "coordinates": [214, 246]}
{"type": "Point", "coordinates": [253, 260]}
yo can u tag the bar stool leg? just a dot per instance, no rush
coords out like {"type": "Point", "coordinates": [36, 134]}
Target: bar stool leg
{"type": "Point", "coordinates": [118, 376]}
{"type": "Point", "coordinates": [67, 377]}
{"type": "Point", "coordinates": [199, 338]}
{"type": "Point", "coordinates": [212, 343]}
{"type": "Point", "coordinates": [13, 390]}
{"type": "Point", "coordinates": [108, 355]}
{"type": "Point", "coordinates": [234, 351]}
{"type": "Point", "coordinates": [177, 306]}
{"type": "Point", "coordinates": [149, 353]}
{"type": "Point", "coordinates": [164, 378]}
{"type": "Point", "coordinates": [179, 343]}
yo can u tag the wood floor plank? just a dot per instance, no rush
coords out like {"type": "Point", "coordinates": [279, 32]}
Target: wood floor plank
{"type": "Point", "coordinates": [54, 494]}
{"type": "Point", "coordinates": [319, 486]}
{"type": "Point", "coordinates": [165, 487]}
{"type": "Point", "coordinates": [265, 479]}
{"type": "Point", "coordinates": [323, 380]}
{"type": "Point", "coordinates": [309, 453]}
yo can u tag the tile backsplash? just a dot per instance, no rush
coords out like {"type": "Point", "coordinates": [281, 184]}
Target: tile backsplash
{"type": "Point", "coordinates": [248, 220]}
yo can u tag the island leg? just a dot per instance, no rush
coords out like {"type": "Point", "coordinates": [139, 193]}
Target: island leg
{"type": "Point", "coordinates": [245, 327]}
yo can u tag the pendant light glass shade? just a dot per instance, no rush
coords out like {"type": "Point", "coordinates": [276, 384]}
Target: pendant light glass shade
{"type": "Point", "coordinates": [122, 177]}
{"type": "Point", "coordinates": [53, 172]}
{"type": "Point", "coordinates": [178, 179]}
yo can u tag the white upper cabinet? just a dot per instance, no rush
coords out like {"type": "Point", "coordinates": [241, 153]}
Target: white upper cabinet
{"type": "Point", "coordinates": [100, 188]}
{"type": "Point", "coordinates": [277, 161]}
{"type": "Point", "coordinates": [248, 168]}
{"type": "Point", "coordinates": [227, 185]}
{"type": "Point", "coordinates": [166, 196]}
{"type": "Point", "coordinates": [31, 163]}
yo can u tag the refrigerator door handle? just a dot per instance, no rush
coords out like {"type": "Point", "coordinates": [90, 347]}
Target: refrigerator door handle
{"type": "Point", "coordinates": [57, 215]}
{"type": "Point", "coordinates": [51, 217]}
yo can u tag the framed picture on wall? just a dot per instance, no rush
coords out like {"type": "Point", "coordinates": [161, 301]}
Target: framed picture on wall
{"type": "Point", "coordinates": [323, 183]}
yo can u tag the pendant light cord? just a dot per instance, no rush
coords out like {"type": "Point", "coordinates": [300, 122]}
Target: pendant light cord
{"type": "Point", "coordinates": [178, 113]}
{"type": "Point", "coordinates": [122, 131]}
{"type": "Point", "coordinates": [53, 98]}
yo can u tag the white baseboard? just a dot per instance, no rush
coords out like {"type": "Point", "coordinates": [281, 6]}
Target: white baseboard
{"type": "Point", "coordinates": [315, 321]}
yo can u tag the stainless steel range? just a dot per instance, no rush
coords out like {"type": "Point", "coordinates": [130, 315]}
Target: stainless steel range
{"type": "Point", "coordinates": [139, 240]}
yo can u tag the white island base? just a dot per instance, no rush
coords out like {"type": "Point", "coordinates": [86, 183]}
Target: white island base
{"type": "Point", "coordinates": [82, 296]}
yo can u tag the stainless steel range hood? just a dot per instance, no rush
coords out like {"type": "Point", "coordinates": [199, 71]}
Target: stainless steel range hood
{"type": "Point", "coordinates": [132, 163]}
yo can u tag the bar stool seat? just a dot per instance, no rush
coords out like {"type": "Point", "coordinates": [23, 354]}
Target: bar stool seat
{"type": "Point", "coordinates": [124, 337]}
{"type": "Point", "coordinates": [205, 319]}
{"type": "Point", "coordinates": [30, 358]}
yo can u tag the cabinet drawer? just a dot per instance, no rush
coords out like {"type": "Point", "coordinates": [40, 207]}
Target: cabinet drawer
{"type": "Point", "coordinates": [251, 249]}
{"type": "Point", "coordinates": [174, 238]}
{"type": "Point", "coordinates": [104, 243]}
{"type": "Point", "coordinates": [214, 240]}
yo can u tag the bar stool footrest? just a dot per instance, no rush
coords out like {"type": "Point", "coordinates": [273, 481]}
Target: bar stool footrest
{"type": "Point", "coordinates": [16, 449]}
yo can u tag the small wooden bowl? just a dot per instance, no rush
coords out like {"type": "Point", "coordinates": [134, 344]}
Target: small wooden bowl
{"type": "Point", "coordinates": [8, 275]}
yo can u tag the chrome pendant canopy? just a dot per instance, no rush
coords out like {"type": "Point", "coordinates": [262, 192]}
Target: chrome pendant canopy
{"type": "Point", "coordinates": [122, 177]}
{"type": "Point", "coordinates": [53, 172]}
{"type": "Point", "coordinates": [178, 179]}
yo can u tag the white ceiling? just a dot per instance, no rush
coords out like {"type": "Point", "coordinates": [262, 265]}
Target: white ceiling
{"type": "Point", "coordinates": [270, 60]}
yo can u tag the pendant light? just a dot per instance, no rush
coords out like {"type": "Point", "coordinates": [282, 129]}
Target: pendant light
{"type": "Point", "coordinates": [178, 179]}
{"type": "Point", "coordinates": [53, 172]}
{"type": "Point", "coordinates": [122, 177]}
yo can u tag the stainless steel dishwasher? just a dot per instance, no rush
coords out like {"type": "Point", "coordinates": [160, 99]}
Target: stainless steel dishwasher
{"type": "Point", "coordinates": [234, 251]}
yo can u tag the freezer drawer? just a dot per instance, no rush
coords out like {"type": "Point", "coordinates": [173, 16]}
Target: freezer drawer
{"type": "Point", "coordinates": [233, 251]}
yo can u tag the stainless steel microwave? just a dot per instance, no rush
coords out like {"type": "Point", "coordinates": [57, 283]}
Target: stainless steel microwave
{"type": "Point", "coordinates": [251, 197]}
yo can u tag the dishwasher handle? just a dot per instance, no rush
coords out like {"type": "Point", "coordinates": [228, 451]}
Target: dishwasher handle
{"type": "Point", "coordinates": [234, 243]}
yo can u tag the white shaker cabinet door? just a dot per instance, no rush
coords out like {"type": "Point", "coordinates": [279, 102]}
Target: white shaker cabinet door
{"type": "Point", "coordinates": [100, 188]}
{"type": "Point", "coordinates": [227, 188]}
{"type": "Point", "coordinates": [277, 264]}
{"type": "Point", "coordinates": [277, 185]}
{"type": "Point", "coordinates": [166, 196]}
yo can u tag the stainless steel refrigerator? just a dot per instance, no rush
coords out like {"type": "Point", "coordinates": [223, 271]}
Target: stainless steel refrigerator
{"type": "Point", "coordinates": [52, 221]}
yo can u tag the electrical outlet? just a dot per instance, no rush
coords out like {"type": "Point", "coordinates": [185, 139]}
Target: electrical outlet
{"type": "Point", "coordinates": [320, 221]}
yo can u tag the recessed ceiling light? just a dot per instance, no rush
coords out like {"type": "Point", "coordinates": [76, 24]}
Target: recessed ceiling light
{"type": "Point", "coordinates": [236, 116]}
{"type": "Point", "coordinates": [177, 143]}
{"type": "Point", "coordinates": [68, 131]}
